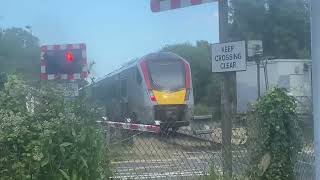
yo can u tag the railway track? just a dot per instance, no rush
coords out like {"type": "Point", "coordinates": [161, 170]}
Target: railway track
{"type": "Point", "coordinates": [188, 141]}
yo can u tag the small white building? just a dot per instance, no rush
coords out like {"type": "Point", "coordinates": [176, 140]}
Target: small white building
{"type": "Point", "coordinates": [292, 74]}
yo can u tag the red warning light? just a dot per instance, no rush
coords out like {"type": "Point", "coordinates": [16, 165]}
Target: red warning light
{"type": "Point", "coordinates": [69, 56]}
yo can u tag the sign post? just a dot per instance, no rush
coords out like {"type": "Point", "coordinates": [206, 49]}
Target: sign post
{"type": "Point", "coordinates": [228, 94]}
{"type": "Point", "coordinates": [228, 58]}
{"type": "Point", "coordinates": [65, 65]}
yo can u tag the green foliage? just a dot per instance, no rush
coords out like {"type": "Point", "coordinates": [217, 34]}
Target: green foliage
{"type": "Point", "coordinates": [19, 53]}
{"type": "Point", "coordinates": [206, 85]}
{"type": "Point", "coordinates": [284, 26]}
{"type": "Point", "coordinates": [274, 132]}
{"type": "Point", "coordinates": [3, 79]}
{"type": "Point", "coordinates": [55, 140]}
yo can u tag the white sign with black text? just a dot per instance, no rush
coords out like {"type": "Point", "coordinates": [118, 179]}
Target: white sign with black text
{"type": "Point", "coordinates": [229, 56]}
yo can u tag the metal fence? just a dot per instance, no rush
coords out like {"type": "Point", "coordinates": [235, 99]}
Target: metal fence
{"type": "Point", "coordinates": [193, 152]}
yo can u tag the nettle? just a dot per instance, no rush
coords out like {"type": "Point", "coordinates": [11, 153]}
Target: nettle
{"type": "Point", "coordinates": [274, 136]}
{"type": "Point", "coordinates": [54, 140]}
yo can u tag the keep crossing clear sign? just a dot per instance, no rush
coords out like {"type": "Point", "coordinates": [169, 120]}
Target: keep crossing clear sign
{"type": "Point", "coordinates": [229, 56]}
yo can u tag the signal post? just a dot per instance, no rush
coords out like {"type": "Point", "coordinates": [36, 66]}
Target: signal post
{"type": "Point", "coordinates": [228, 95]}
{"type": "Point", "coordinates": [64, 65]}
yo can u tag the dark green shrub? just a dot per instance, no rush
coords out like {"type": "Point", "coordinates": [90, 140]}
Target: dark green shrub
{"type": "Point", "coordinates": [52, 139]}
{"type": "Point", "coordinates": [274, 136]}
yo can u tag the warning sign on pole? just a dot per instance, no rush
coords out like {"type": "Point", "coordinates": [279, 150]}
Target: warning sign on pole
{"type": "Point", "coordinates": [227, 57]}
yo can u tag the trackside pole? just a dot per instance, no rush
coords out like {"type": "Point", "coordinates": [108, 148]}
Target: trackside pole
{"type": "Point", "coordinates": [315, 53]}
{"type": "Point", "coordinates": [228, 95]}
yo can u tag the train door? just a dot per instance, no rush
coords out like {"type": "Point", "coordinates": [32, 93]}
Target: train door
{"type": "Point", "coordinates": [124, 98]}
{"type": "Point", "coordinates": [110, 100]}
{"type": "Point", "coordinates": [135, 96]}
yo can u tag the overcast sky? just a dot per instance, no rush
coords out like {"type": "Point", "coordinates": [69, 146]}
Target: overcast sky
{"type": "Point", "coordinates": [115, 31]}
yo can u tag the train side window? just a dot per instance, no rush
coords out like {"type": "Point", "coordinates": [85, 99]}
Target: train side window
{"type": "Point", "coordinates": [138, 76]}
{"type": "Point", "coordinates": [124, 88]}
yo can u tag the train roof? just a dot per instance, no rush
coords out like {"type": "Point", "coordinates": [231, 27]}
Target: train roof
{"type": "Point", "coordinates": [134, 62]}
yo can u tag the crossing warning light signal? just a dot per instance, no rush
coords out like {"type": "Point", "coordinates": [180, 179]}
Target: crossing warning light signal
{"type": "Point", "coordinates": [63, 62]}
{"type": "Point", "coordinates": [69, 56]}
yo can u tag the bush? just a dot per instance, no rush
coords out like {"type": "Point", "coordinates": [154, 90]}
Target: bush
{"type": "Point", "coordinates": [51, 139]}
{"type": "Point", "coordinates": [3, 79]}
{"type": "Point", "coordinates": [274, 136]}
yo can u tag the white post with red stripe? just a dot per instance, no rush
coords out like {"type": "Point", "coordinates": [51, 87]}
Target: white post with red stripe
{"type": "Point", "coordinates": [133, 127]}
{"type": "Point", "coordinates": [164, 5]}
{"type": "Point", "coordinates": [315, 45]}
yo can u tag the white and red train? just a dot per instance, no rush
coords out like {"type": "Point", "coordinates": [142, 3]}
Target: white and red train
{"type": "Point", "coordinates": [153, 90]}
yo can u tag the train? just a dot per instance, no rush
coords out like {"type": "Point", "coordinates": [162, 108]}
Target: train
{"type": "Point", "coordinates": [153, 90]}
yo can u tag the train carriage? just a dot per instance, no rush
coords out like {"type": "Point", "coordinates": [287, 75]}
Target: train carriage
{"type": "Point", "coordinates": [155, 90]}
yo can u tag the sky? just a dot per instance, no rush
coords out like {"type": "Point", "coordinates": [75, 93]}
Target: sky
{"type": "Point", "coordinates": [115, 31]}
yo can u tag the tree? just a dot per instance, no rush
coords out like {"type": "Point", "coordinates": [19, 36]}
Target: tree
{"type": "Point", "coordinates": [284, 26]}
{"type": "Point", "coordinates": [3, 79]}
{"type": "Point", "coordinates": [19, 53]}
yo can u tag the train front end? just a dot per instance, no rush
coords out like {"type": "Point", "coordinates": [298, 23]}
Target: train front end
{"type": "Point", "coordinates": [169, 85]}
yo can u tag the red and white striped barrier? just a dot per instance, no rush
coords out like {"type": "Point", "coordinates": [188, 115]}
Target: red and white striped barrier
{"type": "Point", "coordinates": [164, 5]}
{"type": "Point", "coordinates": [134, 127]}
{"type": "Point", "coordinates": [75, 76]}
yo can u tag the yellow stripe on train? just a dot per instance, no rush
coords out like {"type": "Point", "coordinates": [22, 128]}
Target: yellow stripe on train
{"type": "Point", "coordinates": [177, 97]}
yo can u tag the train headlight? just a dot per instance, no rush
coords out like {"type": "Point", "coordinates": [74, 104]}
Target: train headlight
{"type": "Point", "coordinates": [152, 97]}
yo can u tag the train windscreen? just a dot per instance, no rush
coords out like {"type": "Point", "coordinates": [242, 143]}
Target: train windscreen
{"type": "Point", "coordinates": [167, 75]}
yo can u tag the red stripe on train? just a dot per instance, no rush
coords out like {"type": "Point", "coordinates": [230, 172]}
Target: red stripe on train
{"type": "Point", "coordinates": [188, 74]}
{"type": "Point", "coordinates": [145, 72]}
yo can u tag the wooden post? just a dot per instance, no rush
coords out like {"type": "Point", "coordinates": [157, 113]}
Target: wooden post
{"type": "Point", "coordinates": [228, 95]}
